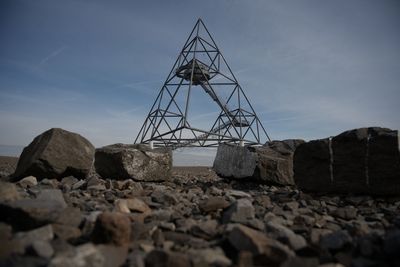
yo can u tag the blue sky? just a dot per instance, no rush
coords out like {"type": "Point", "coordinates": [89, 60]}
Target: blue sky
{"type": "Point", "coordinates": [311, 68]}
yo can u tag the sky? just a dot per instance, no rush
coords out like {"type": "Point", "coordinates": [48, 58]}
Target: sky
{"type": "Point", "coordinates": [310, 68]}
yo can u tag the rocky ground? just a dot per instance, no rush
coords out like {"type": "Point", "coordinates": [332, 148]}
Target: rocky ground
{"type": "Point", "coordinates": [196, 219]}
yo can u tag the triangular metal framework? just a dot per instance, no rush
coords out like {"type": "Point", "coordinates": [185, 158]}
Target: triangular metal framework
{"type": "Point", "coordinates": [201, 63]}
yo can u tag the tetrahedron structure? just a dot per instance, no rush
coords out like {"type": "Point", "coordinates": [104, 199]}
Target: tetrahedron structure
{"type": "Point", "coordinates": [201, 73]}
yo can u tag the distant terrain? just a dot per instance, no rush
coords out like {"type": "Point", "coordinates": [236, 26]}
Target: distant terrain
{"type": "Point", "coordinates": [183, 157]}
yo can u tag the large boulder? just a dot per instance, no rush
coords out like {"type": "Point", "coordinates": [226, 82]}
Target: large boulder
{"type": "Point", "coordinates": [56, 153]}
{"type": "Point", "coordinates": [138, 162]}
{"type": "Point", "coordinates": [364, 161]}
{"type": "Point", "coordinates": [271, 163]}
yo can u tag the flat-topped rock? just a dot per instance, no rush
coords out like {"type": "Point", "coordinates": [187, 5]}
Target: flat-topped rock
{"type": "Point", "coordinates": [271, 163]}
{"type": "Point", "coordinates": [138, 162]}
{"type": "Point", "coordinates": [364, 161]}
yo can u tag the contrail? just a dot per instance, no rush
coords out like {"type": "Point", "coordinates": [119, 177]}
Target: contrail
{"type": "Point", "coordinates": [53, 54]}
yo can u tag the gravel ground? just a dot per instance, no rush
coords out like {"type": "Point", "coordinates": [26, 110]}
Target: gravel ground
{"type": "Point", "coordinates": [194, 219]}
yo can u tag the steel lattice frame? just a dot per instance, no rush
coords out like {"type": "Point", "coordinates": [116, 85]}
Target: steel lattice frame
{"type": "Point", "coordinates": [200, 62]}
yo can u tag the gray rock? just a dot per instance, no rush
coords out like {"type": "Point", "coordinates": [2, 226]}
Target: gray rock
{"type": "Point", "coordinates": [275, 162]}
{"type": "Point", "coordinates": [138, 162]}
{"type": "Point", "coordinates": [285, 235]}
{"type": "Point", "coordinates": [271, 163]}
{"type": "Point", "coordinates": [240, 211]}
{"type": "Point", "coordinates": [363, 161]}
{"type": "Point", "coordinates": [234, 161]}
{"type": "Point", "coordinates": [56, 153]}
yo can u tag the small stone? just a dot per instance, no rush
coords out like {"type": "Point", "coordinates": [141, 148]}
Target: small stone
{"type": "Point", "coordinates": [285, 235]}
{"type": "Point", "coordinates": [331, 265]}
{"type": "Point", "coordinates": [205, 229]}
{"type": "Point", "coordinates": [345, 213]}
{"type": "Point", "coordinates": [264, 201]}
{"type": "Point", "coordinates": [316, 235]}
{"type": "Point", "coordinates": [8, 192]}
{"type": "Point", "coordinates": [335, 240]}
{"type": "Point", "coordinates": [184, 224]}
{"type": "Point", "coordinates": [165, 258]}
{"type": "Point", "coordinates": [68, 182]}
{"type": "Point", "coordinates": [268, 251]}
{"type": "Point", "coordinates": [167, 226]}
{"type": "Point", "coordinates": [66, 232]}
{"type": "Point", "coordinates": [391, 243]}
{"type": "Point", "coordinates": [237, 194]}
{"type": "Point", "coordinates": [369, 245]}
{"type": "Point", "coordinates": [301, 262]}
{"type": "Point", "coordinates": [54, 196]}
{"type": "Point", "coordinates": [132, 204]}
{"type": "Point", "coordinates": [83, 255]}
{"type": "Point", "coordinates": [95, 183]}
{"type": "Point", "coordinates": [209, 257]}
{"type": "Point", "coordinates": [70, 216]}
{"type": "Point", "coordinates": [135, 259]}
{"type": "Point", "coordinates": [44, 233]}
{"type": "Point", "coordinates": [292, 206]}
{"type": "Point", "coordinates": [213, 204]}
{"type": "Point", "coordinates": [113, 256]}
{"type": "Point", "coordinates": [160, 196]}
{"type": "Point", "coordinates": [78, 185]}
{"type": "Point", "coordinates": [244, 259]}
{"type": "Point", "coordinates": [127, 184]}
{"type": "Point", "coordinates": [42, 249]}
{"type": "Point", "coordinates": [240, 211]}
{"type": "Point", "coordinates": [5, 231]}
{"type": "Point", "coordinates": [146, 247]}
{"type": "Point", "coordinates": [256, 224]}
{"type": "Point", "coordinates": [27, 182]}
{"type": "Point", "coordinates": [112, 227]}
{"type": "Point", "coordinates": [158, 238]}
